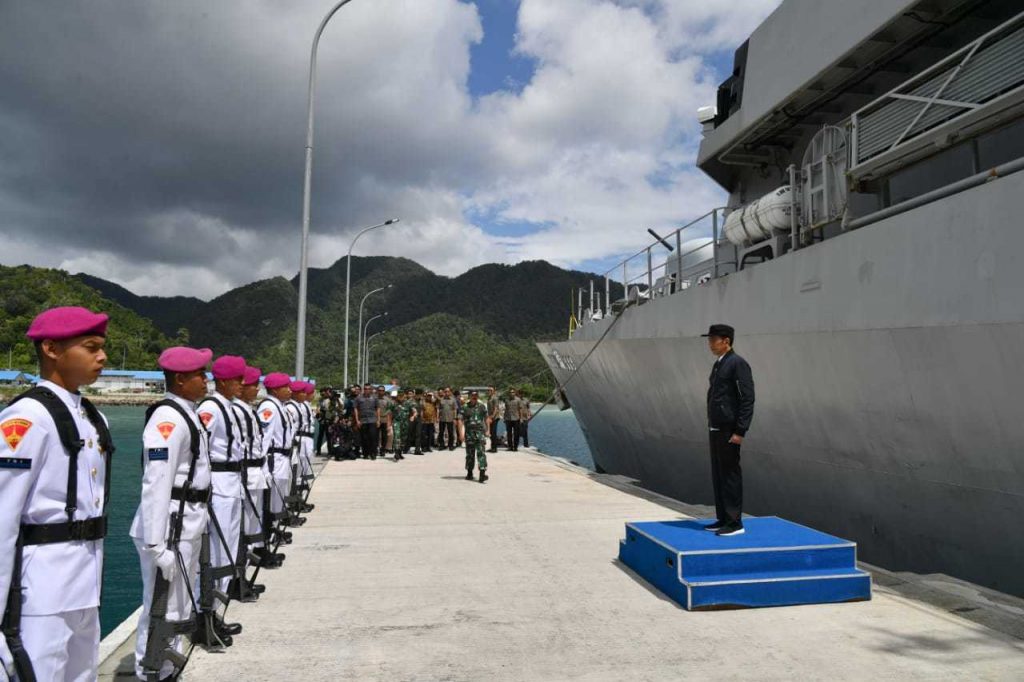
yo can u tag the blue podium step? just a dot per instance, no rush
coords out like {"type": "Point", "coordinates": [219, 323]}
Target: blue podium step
{"type": "Point", "coordinates": [775, 563]}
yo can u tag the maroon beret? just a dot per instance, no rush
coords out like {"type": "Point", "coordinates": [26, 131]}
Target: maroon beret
{"type": "Point", "coordinates": [229, 367]}
{"type": "Point", "coordinates": [277, 380]}
{"type": "Point", "coordinates": [184, 359]}
{"type": "Point", "coordinates": [252, 376]}
{"type": "Point", "coordinates": [67, 322]}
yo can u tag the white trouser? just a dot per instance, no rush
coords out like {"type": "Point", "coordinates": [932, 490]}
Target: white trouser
{"type": "Point", "coordinates": [229, 515]}
{"type": "Point", "coordinates": [179, 605]}
{"type": "Point", "coordinates": [63, 647]}
{"type": "Point", "coordinates": [252, 519]}
{"type": "Point", "coordinates": [305, 456]}
{"type": "Point", "coordinates": [282, 482]}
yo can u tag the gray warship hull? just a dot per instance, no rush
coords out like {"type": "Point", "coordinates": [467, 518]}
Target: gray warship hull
{"type": "Point", "coordinates": [889, 387]}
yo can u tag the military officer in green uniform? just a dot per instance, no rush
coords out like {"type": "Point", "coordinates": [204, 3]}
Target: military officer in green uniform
{"type": "Point", "coordinates": [476, 422]}
{"type": "Point", "coordinates": [405, 414]}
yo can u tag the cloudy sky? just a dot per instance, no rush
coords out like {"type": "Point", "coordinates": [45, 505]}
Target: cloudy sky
{"type": "Point", "coordinates": [160, 144]}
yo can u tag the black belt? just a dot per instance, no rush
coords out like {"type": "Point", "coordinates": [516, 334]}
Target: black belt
{"type": "Point", "coordinates": [191, 495]}
{"type": "Point", "coordinates": [307, 434]}
{"type": "Point", "coordinates": [257, 462]}
{"type": "Point", "coordinates": [235, 466]}
{"type": "Point", "coordinates": [280, 451]}
{"type": "Point", "coordinates": [94, 528]}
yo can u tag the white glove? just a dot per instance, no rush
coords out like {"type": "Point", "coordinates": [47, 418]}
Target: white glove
{"type": "Point", "coordinates": [166, 562]}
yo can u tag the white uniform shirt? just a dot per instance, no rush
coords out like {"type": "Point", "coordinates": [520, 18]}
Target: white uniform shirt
{"type": "Point", "coordinates": [294, 414]}
{"type": "Point", "coordinates": [167, 454]}
{"type": "Point", "coordinates": [62, 576]}
{"type": "Point", "coordinates": [277, 432]}
{"type": "Point", "coordinates": [256, 479]}
{"type": "Point", "coordinates": [225, 483]}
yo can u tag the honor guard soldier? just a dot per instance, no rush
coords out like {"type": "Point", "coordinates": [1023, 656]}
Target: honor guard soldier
{"type": "Point", "coordinates": [310, 434]}
{"type": "Point", "coordinates": [278, 437]}
{"type": "Point", "coordinates": [294, 413]}
{"type": "Point", "coordinates": [227, 455]}
{"type": "Point", "coordinates": [172, 516]}
{"type": "Point", "coordinates": [54, 485]}
{"type": "Point", "coordinates": [301, 391]}
{"type": "Point", "coordinates": [256, 477]}
{"type": "Point", "coordinates": [476, 422]}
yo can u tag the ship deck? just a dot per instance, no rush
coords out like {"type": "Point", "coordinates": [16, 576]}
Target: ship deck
{"type": "Point", "coordinates": [405, 571]}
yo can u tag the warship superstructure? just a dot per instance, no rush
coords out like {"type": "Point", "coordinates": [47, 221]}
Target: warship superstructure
{"type": "Point", "coordinates": [870, 258]}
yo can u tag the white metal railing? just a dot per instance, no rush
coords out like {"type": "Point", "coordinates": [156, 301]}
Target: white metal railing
{"type": "Point", "coordinates": [972, 83]}
{"type": "Point", "coordinates": [695, 258]}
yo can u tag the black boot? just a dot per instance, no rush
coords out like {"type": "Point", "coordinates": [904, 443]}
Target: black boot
{"type": "Point", "coordinates": [223, 628]}
{"type": "Point", "coordinates": [469, 475]}
{"type": "Point", "coordinates": [483, 475]}
{"type": "Point", "coordinates": [206, 633]}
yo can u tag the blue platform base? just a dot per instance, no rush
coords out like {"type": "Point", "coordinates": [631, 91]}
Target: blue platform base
{"type": "Point", "coordinates": [775, 563]}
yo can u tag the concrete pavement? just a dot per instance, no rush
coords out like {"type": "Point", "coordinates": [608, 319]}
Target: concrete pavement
{"type": "Point", "coordinates": [405, 571]}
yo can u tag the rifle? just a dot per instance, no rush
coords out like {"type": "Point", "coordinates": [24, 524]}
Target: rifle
{"type": "Point", "coordinates": [163, 632]}
{"type": "Point", "coordinates": [11, 624]}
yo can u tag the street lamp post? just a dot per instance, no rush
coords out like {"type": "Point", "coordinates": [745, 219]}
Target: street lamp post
{"type": "Point", "coordinates": [348, 281]}
{"type": "Point", "coordinates": [300, 340]}
{"type": "Point", "coordinates": [359, 328]}
{"type": "Point", "coordinates": [367, 326]}
{"type": "Point", "coordinates": [366, 361]}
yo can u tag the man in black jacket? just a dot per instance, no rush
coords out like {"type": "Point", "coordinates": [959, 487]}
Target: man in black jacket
{"type": "Point", "coordinates": [730, 410]}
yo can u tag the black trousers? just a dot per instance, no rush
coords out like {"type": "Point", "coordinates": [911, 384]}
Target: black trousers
{"type": "Point", "coordinates": [427, 436]}
{"type": "Point", "coordinates": [321, 436]}
{"type": "Point", "coordinates": [524, 432]}
{"type": "Point", "coordinates": [446, 435]}
{"type": "Point", "coordinates": [512, 433]}
{"type": "Point", "coordinates": [368, 435]}
{"type": "Point", "coordinates": [494, 434]}
{"type": "Point", "coordinates": [415, 434]}
{"type": "Point", "coordinates": [726, 476]}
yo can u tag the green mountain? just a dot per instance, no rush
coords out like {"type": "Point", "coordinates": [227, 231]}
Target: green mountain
{"type": "Point", "coordinates": [476, 328]}
{"type": "Point", "coordinates": [25, 291]}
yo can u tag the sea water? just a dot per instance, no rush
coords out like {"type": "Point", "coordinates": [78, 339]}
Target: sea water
{"type": "Point", "coordinates": [552, 432]}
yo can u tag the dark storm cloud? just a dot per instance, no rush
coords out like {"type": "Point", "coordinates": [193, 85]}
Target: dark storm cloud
{"type": "Point", "coordinates": [118, 117]}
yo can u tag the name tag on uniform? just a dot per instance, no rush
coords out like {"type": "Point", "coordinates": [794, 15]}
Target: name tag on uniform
{"type": "Point", "coordinates": [157, 454]}
{"type": "Point", "coordinates": [15, 463]}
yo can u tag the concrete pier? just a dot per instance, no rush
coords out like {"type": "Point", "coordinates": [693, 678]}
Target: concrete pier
{"type": "Point", "coordinates": [405, 571]}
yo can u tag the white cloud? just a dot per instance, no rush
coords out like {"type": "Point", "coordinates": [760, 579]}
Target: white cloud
{"type": "Point", "coordinates": [204, 111]}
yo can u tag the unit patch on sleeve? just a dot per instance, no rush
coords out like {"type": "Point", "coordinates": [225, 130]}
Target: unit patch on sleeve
{"type": "Point", "coordinates": [265, 416]}
{"type": "Point", "coordinates": [205, 417]}
{"type": "Point", "coordinates": [14, 431]}
{"type": "Point", "coordinates": [165, 429]}
{"type": "Point", "coordinates": [15, 463]}
{"type": "Point", "coordinates": [157, 454]}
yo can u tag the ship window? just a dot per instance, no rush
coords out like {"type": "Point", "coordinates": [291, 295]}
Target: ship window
{"type": "Point", "coordinates": [937, 171]}
{"type": "Point", "coordinates": [1001, 146]}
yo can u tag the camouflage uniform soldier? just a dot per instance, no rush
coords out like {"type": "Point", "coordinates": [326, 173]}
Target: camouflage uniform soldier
{"type": "Point", "coordinates": [476, 422]}
{"type": "Point", "coordinates": [404, 413]}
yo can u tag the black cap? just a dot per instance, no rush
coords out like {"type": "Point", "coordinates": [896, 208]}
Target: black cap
{"type": "Point", "coordinates": [723, 330]}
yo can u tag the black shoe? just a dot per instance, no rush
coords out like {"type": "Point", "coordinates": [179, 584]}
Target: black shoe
{"type": "Point", "coordinates": [717, 525]}
{"type": "Point", "coordinates": [492, 451]}
{"type": "Point", "coordinates": [452, 447]}
{"type": "Point", "coordinates": [734, 528]}
{"type": "Point", "coordinates": [258, 588]}
{"type": "Point", "coordinates": [398, 456]}
{"type": "Point", "coordinates": [483, 476]}
{"type": "Point", "coordinates": [229, 629]}
{"type": "Point", "coordinates": [469, 475]}
{"type": "Point", "coordinates": [418, 452]}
